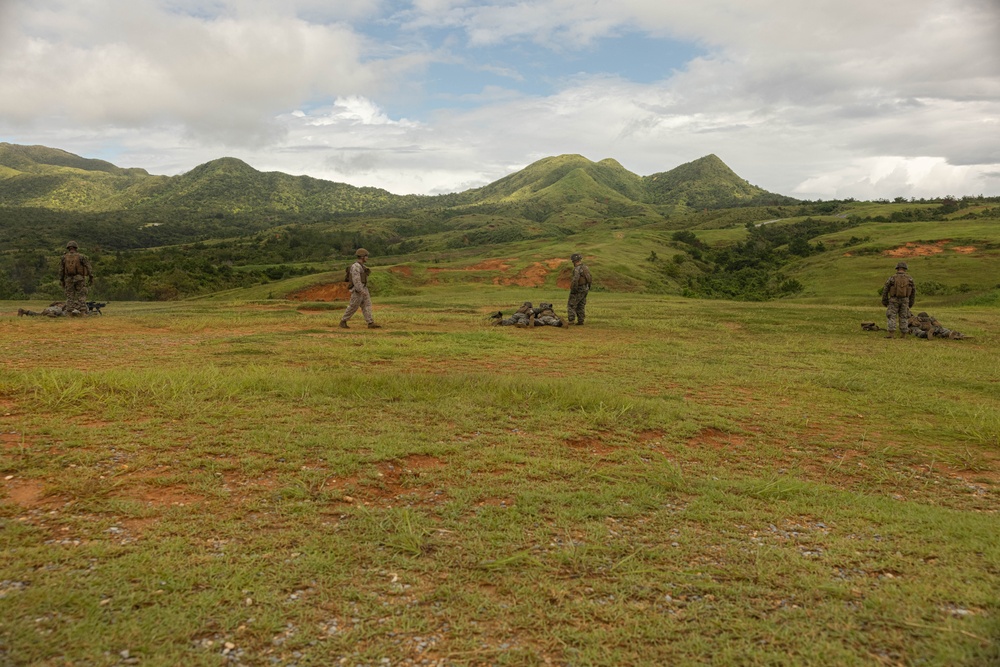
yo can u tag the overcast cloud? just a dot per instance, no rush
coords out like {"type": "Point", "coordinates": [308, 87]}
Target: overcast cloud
{"type": "Point", "coordinates": [818, 99]}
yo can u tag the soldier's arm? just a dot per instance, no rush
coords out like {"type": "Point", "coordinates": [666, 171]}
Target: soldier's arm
{"type": "Point", "coordinates": [587, 277]}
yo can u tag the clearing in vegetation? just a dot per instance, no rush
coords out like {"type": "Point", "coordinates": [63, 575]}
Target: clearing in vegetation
{"type": "Point", "coordinates": [677, 482]}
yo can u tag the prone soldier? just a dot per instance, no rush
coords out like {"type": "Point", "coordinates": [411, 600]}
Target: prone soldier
{"type": "Point", "coordinates": [546, 316]}
{"type": "Point", "coordinates": [522, 317]}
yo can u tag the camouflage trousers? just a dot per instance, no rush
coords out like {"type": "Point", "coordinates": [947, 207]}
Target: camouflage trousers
{"type": "Point", "coordinates": [577, 306]}
{"type": "Point", "coordinates": [359, 299]}
{"type": "Point", "coordinates": [548, 320]}
{"type": "Point", "coordinates": [897, 313]}
{"type": "Point", "coordinates": [516, 318]}
{"type": "Point", "coordinates": [75, 290]}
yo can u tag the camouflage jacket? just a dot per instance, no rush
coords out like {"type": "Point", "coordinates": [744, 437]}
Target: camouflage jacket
{"type": "Point", "coordinates": [359, 277]}
{"type": "Point", "coordinates": [72, 264]}
{"type": "Point", "coordinates": [888, 286]}
{"type": "Point", "coordinates": [581, 280]}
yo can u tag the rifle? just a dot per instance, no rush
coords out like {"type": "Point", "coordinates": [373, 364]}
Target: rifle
{"type": "Point", "coordinates": [93, 306]}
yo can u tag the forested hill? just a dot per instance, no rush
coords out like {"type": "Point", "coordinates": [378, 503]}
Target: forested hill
{"type": "Point", "coordinates": [48, 178]}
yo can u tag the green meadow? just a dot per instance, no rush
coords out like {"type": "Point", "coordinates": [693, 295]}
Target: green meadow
{"type": "Point", "coordinates": [236, 481]}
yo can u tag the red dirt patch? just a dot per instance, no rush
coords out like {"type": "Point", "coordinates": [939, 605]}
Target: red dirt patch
{"type": "Point", "coordinates": [592, 445]}
{"type": "Point", "coordinates": [29, 494]}
{"type": "Point", "coordinates": [490, 265]}
{"type": "Point", "coordinates": [395, 484]}
{"type": "Point", "coordinates": [533, 276]}
{"type": "Point", "coordinates": [12, 440]}
{"type": "Point", "coordinates": [422, 462]}
{"type": "Point", "coordinates": [964, 249]}
{"type": "Point", "coordinates": [562, 282]}
{"type": "Point", "coordinates": [401, 270]}
{"type": "Point", "coordinates": [716, 439]}
{"type": "Point", "coordinates": [913, 249]}
{"type": "Point", "coordinates": [327, 292]}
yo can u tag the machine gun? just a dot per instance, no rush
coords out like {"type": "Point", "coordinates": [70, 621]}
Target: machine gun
{"type": "Point", "coordinates": [94, 306]}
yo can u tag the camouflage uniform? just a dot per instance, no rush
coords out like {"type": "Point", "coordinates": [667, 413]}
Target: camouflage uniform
{"type": "Point", "coordinates": [75, 275]}
{"type": "Point", "coordinates": [545, 316]}
{"type": "Point", "coordinates": [360, 297]}
{"type": "Point", "coordinates": [579, 287]}
{"type": "Point", "coordinates": [924, 326]}
{"type": "Point", "coordinates": [523, 317]}
{"type": "Point", "coordinates": [898, 304]}
{"type": "Point", "coordinates": [52, 310]}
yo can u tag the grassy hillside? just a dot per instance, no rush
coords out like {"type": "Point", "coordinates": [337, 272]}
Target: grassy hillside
{"type": "Point", "coordinates": [706, 183]}
{"type": "Point", "coordinates": [35, 176]}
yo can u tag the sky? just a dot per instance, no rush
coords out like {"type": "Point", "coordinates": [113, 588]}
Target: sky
{"type": "Point", "coordinates": [819, 99]}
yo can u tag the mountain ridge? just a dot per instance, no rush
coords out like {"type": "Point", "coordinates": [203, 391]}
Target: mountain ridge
{"type": "Point", "coordinates": [38, 176]}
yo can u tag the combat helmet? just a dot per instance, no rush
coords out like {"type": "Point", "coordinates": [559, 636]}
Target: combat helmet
{"type": "Point", "coordinates": [902, 265]}
{"type": "Point", "coordinates": [545, 306]}
{"type": "Point", "coordinates": [72, 244]}
{"type": "Point", "coordinates": [575, 257]}
{"type": "Point", "coordinates": [361, 252]}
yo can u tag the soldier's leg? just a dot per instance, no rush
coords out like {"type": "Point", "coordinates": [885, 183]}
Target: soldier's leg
{"type": "Point", "coordinates": [581, 308]}
{"type": "Point", "coordinates": [352, 307]}
{"type": "Point", "coordinates": [571, 306]}
{"type": "Point", "coordinates": [891, 316]}
{"type": "Point", "coordinates": [904, 317]}
{"type": "Point", "coordinates": [73, 298]}
{"type": "Point", "coordinates": [366, 307]}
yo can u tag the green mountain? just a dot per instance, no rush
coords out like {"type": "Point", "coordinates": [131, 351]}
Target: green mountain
{"type": "Point", "coordinates": [555, 189]}
{"type": "Point", "coordinates": [707, 183]}
{"type": "Point", "coordinates": [40, 177]}
{"type": "Point", "coordinates": [35, 159]}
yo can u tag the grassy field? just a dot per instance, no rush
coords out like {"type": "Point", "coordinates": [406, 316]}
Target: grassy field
{"type": "Point", "coordinates": [677, 482]}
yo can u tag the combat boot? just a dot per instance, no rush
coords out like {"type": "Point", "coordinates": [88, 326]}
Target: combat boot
{"type": "Point", "coordinates": [372, 325]}
{"type": "Point", "coordinates": [903, 334]}
{"type": "Point", "coordinates": [20, 312]}
{"type": "Point", "coordinates": [891, 334]}
{"type": "Point", "coordinates": [343, 325]}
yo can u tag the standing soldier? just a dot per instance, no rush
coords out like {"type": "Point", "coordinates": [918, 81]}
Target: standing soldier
{"type": "Point", "coordinates": [898, 295]}
{"type": "Point", "coordinates": [357, 277]}
{"type": "Point", "coordinates": [579, 286]}
{"type": "Point", "coordinates": [76, 275]}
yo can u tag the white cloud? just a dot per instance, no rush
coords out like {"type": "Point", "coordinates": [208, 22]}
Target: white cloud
{"type": "Point", "coordinates": [828, 98]}
{"type": "Point", "coordinates": [873, 178]}
{"type": "Point", "coordinates": [223, 78]}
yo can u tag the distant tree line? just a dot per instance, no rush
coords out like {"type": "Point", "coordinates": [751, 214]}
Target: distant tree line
{"type": "Point", "coordinates": [750, 270]}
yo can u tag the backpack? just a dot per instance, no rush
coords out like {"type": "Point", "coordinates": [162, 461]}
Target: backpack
{"type": "Point", "coordinates": [347, 273]}
{"type": "Point", "coordinates": [72, 264]}
{"type": "Point", "coordinates": [901, 286]}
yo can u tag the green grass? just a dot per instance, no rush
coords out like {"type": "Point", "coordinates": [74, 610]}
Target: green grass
{"type": "Point", "coordinates": [677, 482]}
